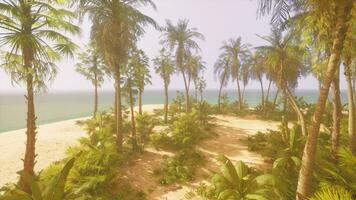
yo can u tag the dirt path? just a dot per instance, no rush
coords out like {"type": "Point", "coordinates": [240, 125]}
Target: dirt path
{"type": "Point", "coordinates": [230, 133]}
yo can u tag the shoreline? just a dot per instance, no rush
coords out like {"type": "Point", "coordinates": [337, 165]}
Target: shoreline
{"type": "Point", "coordinates": [53, 139]}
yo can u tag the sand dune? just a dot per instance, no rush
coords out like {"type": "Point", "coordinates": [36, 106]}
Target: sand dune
{"type": "Point", "coordinates": [52, 141]}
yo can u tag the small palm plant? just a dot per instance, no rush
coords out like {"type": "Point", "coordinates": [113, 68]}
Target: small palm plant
{"type": "Point", "coordinates": [330, 193]}
{"type": "Point", "coordinates": [54, 189]}
{"type": "Point", "coordinates": [239, 182]}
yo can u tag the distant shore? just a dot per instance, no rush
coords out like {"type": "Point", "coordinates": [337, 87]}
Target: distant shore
{"type": "Point", "coordinates": [52, 142]}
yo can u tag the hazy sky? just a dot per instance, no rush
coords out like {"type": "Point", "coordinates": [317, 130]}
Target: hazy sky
{"type": "Point", "coordinates": [218, 20]}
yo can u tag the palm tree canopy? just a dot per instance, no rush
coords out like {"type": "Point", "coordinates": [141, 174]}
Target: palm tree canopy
{"type": "Point", "coordinates": [164, 65]}
{"type": "Point", "coordinates": [92, 65]}
{"type": "Point", "coordinates": [36, 27]}
{"type": "Point", "coordinates": [182, 38]}
{"type": "Point", "coordinates": [116, 24]}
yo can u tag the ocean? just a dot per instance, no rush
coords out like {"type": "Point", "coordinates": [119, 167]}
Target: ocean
{"type": "Point", "coordinates": [54, 107]}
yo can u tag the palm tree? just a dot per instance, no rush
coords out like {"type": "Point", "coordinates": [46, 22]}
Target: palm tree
{"type": "Point", "coordinates": [164, 67]}
{"type": "Point", "coordinates": [131, 89]}
{"type": "Point", "coordinates": [286, 57]}
{"type": "Point", "coordinates": [32, 32]}
{"type": "Point", "coordinates": [342, 10]}
{"type": "Point", "coordinates": [195, 66]}
{"type": "Point", "coordinates": [235, 49]}
{"type": "Point", "coordinates": [182, 38]}
{"type": "Point", "coordinates": [200, 87]}
{"type": "Point", "coordinates": [257, 71]}
{"type": "Point", "coordinates": [222, 72]}
{"type": "Point", "coordinates": [92, 67]}
{"type": "Point", "coordinates": [140, 61]}
{"type": "Point", "coordinates": [116, 25]}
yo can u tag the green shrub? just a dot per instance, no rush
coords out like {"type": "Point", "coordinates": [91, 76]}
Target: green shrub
{"type": "Point", "coordinates": [52, 188]}
{"type": "Point", "coordinates": [180, 168]}
{"type": "Point", "coordinates": [237, 182]}
{"type": "Point", "coordinates": [144, 126]}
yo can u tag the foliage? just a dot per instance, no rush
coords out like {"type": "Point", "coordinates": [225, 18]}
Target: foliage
{"type": "Point", "coordinates": [332, 193]}
{"type": "Point", "coordinates": [52, 188]}
{"type": "Point", "coordinates": [238, 182]}
{"type": "Point", "coordinates": [180, 168]}
{"type": "Point", "coordinates": [145, 125]}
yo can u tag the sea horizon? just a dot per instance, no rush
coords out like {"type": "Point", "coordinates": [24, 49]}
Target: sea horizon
{"type": "Point", "coordinates": [61, 105]}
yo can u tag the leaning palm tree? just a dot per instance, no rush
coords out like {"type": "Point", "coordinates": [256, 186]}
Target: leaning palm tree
{"type": "Point", "coordinates": [286, 57]}
{"type": "Point", "coordinates": [236, 49]}
{"type": "Point", "coordinates": [116, 26]}
{"type": "Point", "coordinates": [222, 72]}
{"type": "Point", "coordinates": [92, 67]}
{"type": "Point", "coordinates": [32, 31]}
{"type": "Point", "coordinates": [164, 67]}
{"type": "Point", "coordinates": [341, 10]}
{"type": "Point", "coordinates": [181, 39]}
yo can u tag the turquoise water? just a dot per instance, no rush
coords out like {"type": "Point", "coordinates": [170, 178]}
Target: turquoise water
{"type": "Point", "coordinates": [53, 107]}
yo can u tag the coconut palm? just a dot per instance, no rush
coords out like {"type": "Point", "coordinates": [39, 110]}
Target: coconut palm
{"type": "Point", "coordinates": [32, 31]}
{"type": "Point", "coordinates": [92, 67]}
{"type": "Point", "coordinates": [235, 49]}
{"type": "Point", "coordinates": [164, 67]}
{"type": "Point", "coordinates": [286, 57]}
{"type": "Point", "coordinates": [340, 16]}
{"type": "Point", "coordinates": [222, 73]}
{"type": "Point", "coordinates": [116, 26]}
{"type": "Point", "coordinates": [181, 39]}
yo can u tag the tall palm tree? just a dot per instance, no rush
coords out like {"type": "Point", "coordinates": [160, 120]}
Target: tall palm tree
{"type": "Point", "coordinates": [131, 89]}
{"type": "Point", "coordinates": [116, 26]}
{"type": "Point", "coordinates": [286, 57]}
{"type": "Point", "coordinates": [164, 67]}
{"type": "Point", "coordinates": [140, 62]}
{"type": "Point", "coordinates": [341, 10]}
{"type": "Point", "coordinates": [222, 69]}
{"type": "Point", "coordinates": [181, 39]}
{"type": "Point", "coordinates": [236, 49]}
{"type": "Point", "coordinates": [32, 30]}
{"type": "Point", "coordinates": [195, 66]}
{"type": "Point", "coordinates": [92, 67]}
{"type": "Point", "coordinates": [257, 71]}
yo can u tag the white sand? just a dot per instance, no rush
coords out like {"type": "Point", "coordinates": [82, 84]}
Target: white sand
{"type": "Point", "coordinates": [52, 141]}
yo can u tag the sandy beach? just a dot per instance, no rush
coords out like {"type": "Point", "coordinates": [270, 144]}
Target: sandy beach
{"type": "Point", "coordinates": [52, 141]}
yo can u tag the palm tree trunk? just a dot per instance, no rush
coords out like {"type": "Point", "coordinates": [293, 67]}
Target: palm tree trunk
{"type": "Point", "coordinates": [187, 106]}
{"type": "Point", "coordinates": [298, 111]}
{"type": "Point", "coordinates": [30, 152]}
{"type": "Point", "coordinates": [336, 116]}
{"type": "Point", "coordinates": [262, 92]}
{"type": "Point", "coordinates": [219, 98]}
{"type": "Point", "coordinates": [239, 94]}
{"type": "Point", "coordinates": [268, 91]}
{"type": "Point", "coordinates": [133, 123]}
{"type": "Point", "coordinates": [351, 106]}
{"type": "Point", "coordinates": [118, 112]}
{"type": "Point", "coordinates": [165, 103]}
{"type": "Point", "coordinates": [95, 99]}
{"type": "Point", "coordinates": [140, 102]}
{"type": "Point", "coordinates": [30, 156]}
{"type": "Point", "coordinates": [304, 187]}
{"type": "Point", "coordinates": [275, 98]}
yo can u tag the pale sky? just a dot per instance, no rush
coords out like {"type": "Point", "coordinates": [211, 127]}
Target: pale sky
{"type": "Point", "coordinates": [218, 20]}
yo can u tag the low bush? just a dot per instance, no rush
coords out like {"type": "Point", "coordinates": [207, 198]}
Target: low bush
{"type": "Point", "coordinates": [180, 168]}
